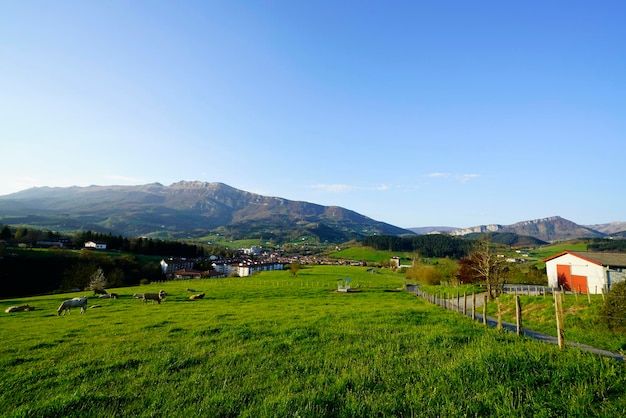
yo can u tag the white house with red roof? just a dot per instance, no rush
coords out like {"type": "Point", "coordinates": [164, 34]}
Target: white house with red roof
{"type": "Point", "coordinates": [586, 271]}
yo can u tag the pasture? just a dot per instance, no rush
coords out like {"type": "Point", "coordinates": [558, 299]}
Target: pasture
{"type": "Point", "coordinates": [274, 345]}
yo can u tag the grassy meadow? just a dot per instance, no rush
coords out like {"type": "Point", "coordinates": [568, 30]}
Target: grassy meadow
{"type": "Point", "coordinates": [274, 345]}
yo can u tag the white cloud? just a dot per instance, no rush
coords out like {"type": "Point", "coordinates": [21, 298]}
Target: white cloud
{"type": "Point", "coordinates": [464, 178]}
{"type": "Point", "coordinates": [440, 175]}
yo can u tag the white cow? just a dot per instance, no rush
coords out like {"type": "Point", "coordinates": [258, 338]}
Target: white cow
{"type": "Point", "coordinates": [154, 296]}
{"type": "Point", "coordinates": [72, 303]}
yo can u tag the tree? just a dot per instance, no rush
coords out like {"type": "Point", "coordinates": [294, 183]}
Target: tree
{"type": "Point", "coordinates": [488, 268]}
{"type": "Point", "coordinates": [6, 234]}
{"type": "Point", "coordinates": [466, 273]}
{"type": "Point", "coordinates": [428, 275]}
{"type": "Point", "coordinates": [78, 275]}
{"type": "Point", "coordinates": [613, 311]}
{"type": "Point", "coordinates": [116, 277]}
{"type": "Point", "coordinates": [20, 233]}
{"type": "Point", "coordinates": [98, 281]}
{"type": "Point", "coordinates": [293, 268]}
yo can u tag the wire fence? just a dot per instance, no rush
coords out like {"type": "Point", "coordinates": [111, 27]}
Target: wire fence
{"type": "Point", "coordinates": [566, 304]}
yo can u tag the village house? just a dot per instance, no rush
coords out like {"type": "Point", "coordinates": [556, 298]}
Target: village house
{"type": "Point", "coordinates": [95, 245]}
{"type": "Point", "coordinates": [53, 243]}
{"type": "Point", "coordinates": [185, 274]}
{"type": "Point", "coordinates": [171, 265]}
{"type": "Point", "coordinates": [586, 271]}
{"type": "Point", "coordinates": [246, 268]}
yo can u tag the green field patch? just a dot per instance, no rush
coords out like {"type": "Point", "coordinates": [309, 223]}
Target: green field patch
{"type": "Point", "coordinates": [274, 345]}
{"type": "Point", "coordinates": [159, 324]}
{"type": "Point", "coordinates": [368, 254]}
{"type": "Point", "coordinates": [46, 345]}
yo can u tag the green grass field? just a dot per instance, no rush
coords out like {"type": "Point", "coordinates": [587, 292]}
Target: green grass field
{"type": "Point", "coordinates": [360, 253]}
{"type": "Point", "coordinates": [274, 345]}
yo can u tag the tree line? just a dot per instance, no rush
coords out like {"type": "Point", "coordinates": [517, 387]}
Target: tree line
{"type": "Point", "coordinates": [603, 244]}
{"type": "Point", "coordinates": [25, 272]}
{"type": "Point", "coordinates": [431, 246]}
{"type": "Point", "coordinates": [140, 245]}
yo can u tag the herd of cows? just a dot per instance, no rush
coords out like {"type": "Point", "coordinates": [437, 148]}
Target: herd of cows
{"type": "Point", "coordinates": [81, 302]}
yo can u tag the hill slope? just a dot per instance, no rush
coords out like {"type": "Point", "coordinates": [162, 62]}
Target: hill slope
{"type": "Point", "coordinates": [184, 209]}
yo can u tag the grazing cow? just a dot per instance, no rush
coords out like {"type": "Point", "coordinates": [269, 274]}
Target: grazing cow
{"type": "Point", "coordinates": [72, 303]}
{"type": "Point", "coordinates": [21, 308]}
{"type": "Point", "coordinates": [99, 292]}
{"type": "Point", "coordinates": [154, 296]}
{"type": "Point", "coordinates": [138, 295]}
{"type": "Point", "coordinates": [198, 296]}
{"type": "Point", "coordinates": [108, 296]}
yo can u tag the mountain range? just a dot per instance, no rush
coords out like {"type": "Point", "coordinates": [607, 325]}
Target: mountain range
{"type": "Point", "coordinates": [196, 209]}
{"type": "Point", "coordinates": [551, 229]}
{"type": "Point", "coordinates": [185, 209]}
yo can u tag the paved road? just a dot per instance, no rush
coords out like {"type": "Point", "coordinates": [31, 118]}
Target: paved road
{"type": "Point", "coordinates": [492, 322]}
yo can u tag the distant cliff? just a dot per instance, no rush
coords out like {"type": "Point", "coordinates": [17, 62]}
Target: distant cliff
{"type": "Point", "coordinates": [549, 229]}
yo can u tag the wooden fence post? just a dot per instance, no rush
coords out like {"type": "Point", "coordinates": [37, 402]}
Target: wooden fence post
{"type": "Point", "coordinates": [473, 306]}
{"type": "Point", "coordinates": [588, 296]}
{"type": "Point", "coordinates": [464, 303]}
{"type": "Point", "coordinates": [485, 310]}
{"type": "Point", "coordinates": [499, 315]}
{"type": "Point", "coordinates": [558, 308]}
{"type": "Point", "coordinates": [518, 315]}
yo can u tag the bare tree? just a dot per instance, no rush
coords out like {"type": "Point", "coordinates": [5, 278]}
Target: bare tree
{"type": "Point", "coordinates": [488, 268]}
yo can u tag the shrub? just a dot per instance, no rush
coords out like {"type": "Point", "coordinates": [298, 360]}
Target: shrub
{"type": "Point", "coordinates": [428, 275]}
{"type": "Point", "coordinates": [613, 312]}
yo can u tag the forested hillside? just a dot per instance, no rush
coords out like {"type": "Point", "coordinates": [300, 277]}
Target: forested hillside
{"type": "Point", "coordinates": [27, 269]}
{"type": "Point", "coordinates": [436, 245]}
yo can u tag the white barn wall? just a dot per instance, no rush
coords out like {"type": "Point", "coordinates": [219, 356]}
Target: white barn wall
{"type": "Point", "coordinates": [595, 273]}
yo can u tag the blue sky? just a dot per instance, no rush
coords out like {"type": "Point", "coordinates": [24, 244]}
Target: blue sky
{"type": "Point", "coordinates": [415, 113]}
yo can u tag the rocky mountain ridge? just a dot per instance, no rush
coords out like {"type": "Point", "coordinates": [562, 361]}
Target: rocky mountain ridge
{"type": "Point", "coordinates": [554, 228]}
